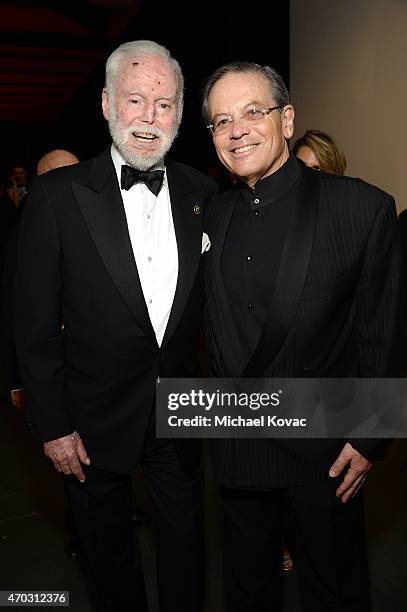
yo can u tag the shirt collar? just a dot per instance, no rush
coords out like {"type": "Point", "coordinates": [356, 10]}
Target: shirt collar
{"type": "Point", "coordinates": [119, 161]}
{"type": "Point", "coordinates": [272, 187]}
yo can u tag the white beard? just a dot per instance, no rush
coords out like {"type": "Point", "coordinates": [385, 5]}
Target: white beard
{"type": "Point", "coordinates": [141, 161]}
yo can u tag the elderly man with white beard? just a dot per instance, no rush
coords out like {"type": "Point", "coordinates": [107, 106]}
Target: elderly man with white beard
{"type": "Point", "coordinates": [112, 247]}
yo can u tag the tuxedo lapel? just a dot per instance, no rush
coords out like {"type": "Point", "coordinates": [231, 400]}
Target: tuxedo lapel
{"type": "Point", "coordinates": [291, 277]}
{"type": "Point", "coordinates": [187, 213]}
{"type": "Point", "coordinates": [102, 208]}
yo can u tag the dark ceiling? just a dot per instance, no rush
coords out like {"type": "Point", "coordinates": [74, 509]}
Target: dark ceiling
{"type": "Point", "coordinates": [48, 50]}
{"type": "Point", "coordinates": [52, 56]}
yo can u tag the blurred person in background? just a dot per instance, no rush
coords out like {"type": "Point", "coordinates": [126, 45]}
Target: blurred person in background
{"type": "Point", "coordinates": [57, 158]}
{"type": "Point", "coordinates": [18, 190]}
{"type": "Point", "coordinates": [318, 150]}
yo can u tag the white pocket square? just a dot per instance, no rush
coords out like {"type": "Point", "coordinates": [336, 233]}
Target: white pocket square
{"type": "Point", "coordinates": [206, 243]}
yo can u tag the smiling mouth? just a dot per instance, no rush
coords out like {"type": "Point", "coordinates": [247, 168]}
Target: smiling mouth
{"type": "Point", "coordinates": [244, 149]}
{"type": "Point", "coordinates": [146, 136]}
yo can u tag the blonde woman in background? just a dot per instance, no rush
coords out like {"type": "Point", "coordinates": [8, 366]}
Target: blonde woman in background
{"type": "Point", "coordinates": [319, 151]}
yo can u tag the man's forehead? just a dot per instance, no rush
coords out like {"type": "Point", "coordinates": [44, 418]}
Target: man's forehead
{"type": "Point", "coordinates": [154, 74]}
{"type": "Point", "coordinates": [243, 80]}
{"type": "Point", "coordinates": [239, 89]}
{"type": "Point", "coordinates": [150, 67]}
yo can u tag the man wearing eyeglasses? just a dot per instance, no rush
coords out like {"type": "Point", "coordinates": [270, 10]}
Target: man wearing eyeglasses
{"type": "Point", "coordinates": [302, 280]}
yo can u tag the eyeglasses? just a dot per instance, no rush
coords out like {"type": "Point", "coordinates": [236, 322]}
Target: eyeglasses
{"type": "Point", "coordinates": [250, 117]}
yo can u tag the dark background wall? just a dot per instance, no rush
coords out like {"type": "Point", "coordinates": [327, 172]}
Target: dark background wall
{"type": "Point", "coordinates": [202, 36]}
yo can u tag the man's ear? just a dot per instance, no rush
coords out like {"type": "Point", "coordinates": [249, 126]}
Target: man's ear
{"type": "Point", "coordinates": [287, 117]}
{"type": "Point", "coordinates": [105, 104]}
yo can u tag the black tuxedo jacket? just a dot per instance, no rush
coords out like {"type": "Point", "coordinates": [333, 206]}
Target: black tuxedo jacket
{"type": "Point", "coordinates": [335, 312]}
{"type": "Point", "coordinates": [76, 265]}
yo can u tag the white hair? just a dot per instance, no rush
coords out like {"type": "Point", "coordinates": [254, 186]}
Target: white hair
{"type": "Point", "coordinates": [143, 48]}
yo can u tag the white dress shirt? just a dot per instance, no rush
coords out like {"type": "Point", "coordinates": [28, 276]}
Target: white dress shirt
{"type": "Point", "coordinates": [152, 236]}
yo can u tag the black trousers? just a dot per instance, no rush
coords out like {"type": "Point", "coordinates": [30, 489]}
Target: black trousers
{"type": "Point", "coordinates": [102, 511]}
{"type": "Point", "coordinates": [329, 555]}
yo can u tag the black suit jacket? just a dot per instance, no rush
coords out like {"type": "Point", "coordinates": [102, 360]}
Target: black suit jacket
{"type": "Point", "coordinates": [335, 312]}
{"type": "Point", "coordinates": [76, 265]}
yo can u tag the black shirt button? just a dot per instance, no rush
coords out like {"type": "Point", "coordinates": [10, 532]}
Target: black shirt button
{"type": "Point", "coordinates": [256, 212]}
{"type": "Point", "coordinates": [256, 201]}
{"type": "Point", "coordinates": [249, 258]}
{"type": "Point", "coordinates": [250, 306]}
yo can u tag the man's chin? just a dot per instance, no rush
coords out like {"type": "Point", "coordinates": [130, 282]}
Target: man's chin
{"type": "Point", "coordinates": [141, 161]}
{"type": "Point", "coordinates": [144, 157]}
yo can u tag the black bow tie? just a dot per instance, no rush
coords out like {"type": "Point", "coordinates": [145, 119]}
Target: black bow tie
{"type": "Point", "coordinates": [131, 176]}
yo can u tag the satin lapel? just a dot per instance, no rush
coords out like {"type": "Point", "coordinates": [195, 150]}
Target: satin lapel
{"type": "Point", "coordinates": [291, 277]}
{"type": "Point", "coordinates": [102, 208]}
{"type": "Point", "coordinates": [187, 214]}
{"type": "Point", "coordinates": [228, 329]}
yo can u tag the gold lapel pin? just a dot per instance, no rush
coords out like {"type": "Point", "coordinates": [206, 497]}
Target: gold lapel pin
{"type": "Point", "coordinates": [197, 209]}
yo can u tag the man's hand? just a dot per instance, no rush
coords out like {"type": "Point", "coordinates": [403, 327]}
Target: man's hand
{"type": "Point", "coordinates": [66, 454]}
{"type": "Point", "coordinates": [355, 475]}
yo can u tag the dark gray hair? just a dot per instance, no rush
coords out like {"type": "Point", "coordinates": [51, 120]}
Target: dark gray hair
{"type": "Point", "coordinates": [278, 88]}
{"type": "Point", "coordinates": [143, 48]}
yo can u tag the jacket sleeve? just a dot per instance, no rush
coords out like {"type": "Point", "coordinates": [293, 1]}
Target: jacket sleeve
{"type": "Point", "coordinates": [38, 317]}
{"type": "Point", "coordinates": [379, 310]}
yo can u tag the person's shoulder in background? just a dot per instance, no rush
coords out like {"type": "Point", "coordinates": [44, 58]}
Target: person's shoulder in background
{"type": "Point", "coordinates": [403, 223]}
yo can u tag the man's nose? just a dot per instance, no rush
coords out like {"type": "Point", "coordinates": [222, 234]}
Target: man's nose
{"type": "Point", "coordinates": [238, 127]}
{"type": "Point", "coordinates": [148, 114]}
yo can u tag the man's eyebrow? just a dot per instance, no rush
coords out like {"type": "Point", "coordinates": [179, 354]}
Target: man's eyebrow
{"type": "Point", "coordinates": [167, 97]}
{"type": "Point", "coordinates": [138, 93]}
{"type": "Point", "coordinates": [248, 105]}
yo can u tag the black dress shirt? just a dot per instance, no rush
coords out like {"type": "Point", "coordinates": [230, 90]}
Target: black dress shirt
{"type": "Point", "coordinates": [253, 247]}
